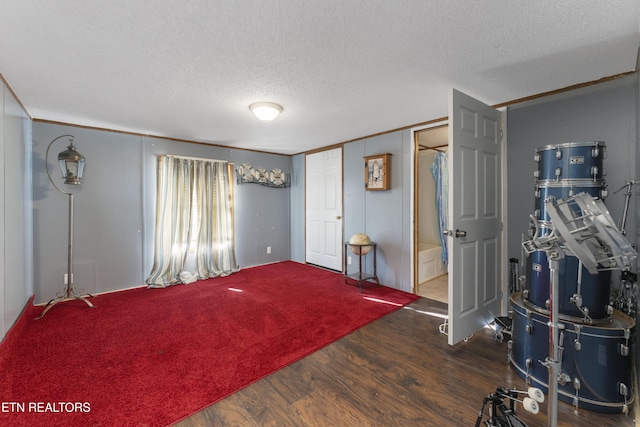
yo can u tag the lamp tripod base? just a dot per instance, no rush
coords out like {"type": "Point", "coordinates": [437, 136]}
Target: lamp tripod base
{"type": "Point", "coordinates": [69, 295]}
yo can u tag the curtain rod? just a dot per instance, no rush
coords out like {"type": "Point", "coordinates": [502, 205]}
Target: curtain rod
{"type": "Point", "coordinates": [436, 148]}
{"type": "Point", "coordinates": [192, 158]}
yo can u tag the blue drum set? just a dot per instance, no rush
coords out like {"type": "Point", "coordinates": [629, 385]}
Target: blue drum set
{"type": "Point", "coordinates": [596, 367]}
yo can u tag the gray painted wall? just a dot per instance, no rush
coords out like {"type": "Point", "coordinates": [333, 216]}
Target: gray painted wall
{"type": "Point", "coordinates": [383, 215]}
{"type": "Point", "coordinates": [115, 209]}
{"type": "Point", "coordinates": [604, 112]}
{"type": "Point", "coordinates": [297, 208]}
{"type": "Point", "coordinates": [15, 219]}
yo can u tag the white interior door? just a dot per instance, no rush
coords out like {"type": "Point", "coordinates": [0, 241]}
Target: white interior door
{"type": "Point", "coordinates": [323, 195]}
{"type": "Point", "coordinates": [474, 215]}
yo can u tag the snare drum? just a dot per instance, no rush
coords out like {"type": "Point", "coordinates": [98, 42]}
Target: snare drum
{"type": "Point", "coordinates": [563, 190]}
{"type": "Point", "coordinates": [595, 361]}
{"type": "Point", "coordinates": [594, 292]}
{"type": "Point", "coordinates": [571, 160]}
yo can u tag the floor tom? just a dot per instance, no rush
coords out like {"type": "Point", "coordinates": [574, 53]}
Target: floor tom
{"type": "Point", "coordinates": [592, 294]}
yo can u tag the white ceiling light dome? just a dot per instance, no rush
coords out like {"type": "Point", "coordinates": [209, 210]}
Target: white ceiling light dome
{"type": "Point", "coordinates": [266, 111]}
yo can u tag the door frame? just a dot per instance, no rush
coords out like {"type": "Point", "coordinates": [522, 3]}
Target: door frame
{"type": "Point", "coordinates": [413, 199]}
{"type": "Point", "coordinates": [340, 247]}
{"type": "Point", "coordinates": [505, 230]}
{"type": "Point", "coordinates": [414, 205]}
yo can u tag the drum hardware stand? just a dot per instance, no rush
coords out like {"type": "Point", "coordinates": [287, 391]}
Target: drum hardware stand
{"type": "Point", "coordinates": [553, 362]}
{"type": "Point", "coordinates": [549, 244]}
{"type": "Point", "coordinates": [514, 284]}
{"type": "Point", "coordinates": [522, 277]}
{"type": "Point", "coordinates": [583, 226]}
{"type": "Point", "coordinates": [529, 363]}
{"type": "Point", "coordinates": [576, 299]}
{"type": "Point", "coordinates": [502, 326]}
{"type": "Point", "coordinates": [627, 196]}
{"type": "Point", "coordinates": [576, 387]}
{"type": "Point", "coordinates": [501, 415]}
{"type": "Point", "coordinates": [625, 299]}
{"type": "Point", "coordinates": [622, 389]}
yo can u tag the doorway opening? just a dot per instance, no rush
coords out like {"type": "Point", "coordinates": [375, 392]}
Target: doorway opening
{"type": "Point", "coordinates": [431, 278]}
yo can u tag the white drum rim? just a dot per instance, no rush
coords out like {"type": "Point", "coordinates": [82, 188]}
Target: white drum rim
{"type": "Point", "coordinates": [564, 318]}
{"type": "Point", "coordinates": [571, 144]}
{"type": "Point", "coordinates": [606, 325]}
{"type": "Point", "coordinates": [576, 182]}
{"type": "Point", "coordinates": [592, 402]}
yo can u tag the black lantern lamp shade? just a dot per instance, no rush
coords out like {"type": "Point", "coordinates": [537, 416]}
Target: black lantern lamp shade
{"type": "Point", "coordinates": [71, 165]}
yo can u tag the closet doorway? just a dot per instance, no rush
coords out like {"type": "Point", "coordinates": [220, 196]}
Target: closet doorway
{"type": "Point", "coordinates": [431, 279]}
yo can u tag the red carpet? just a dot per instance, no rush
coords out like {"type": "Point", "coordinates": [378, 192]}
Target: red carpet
{"type": "Point", "coordinates": [150, 357]}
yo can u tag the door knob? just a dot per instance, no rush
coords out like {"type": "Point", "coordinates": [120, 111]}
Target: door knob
{"type": "Point", "coordinates": [338, 217]}
{"type": "Point", "coordinates": [461, 233]}
{"type": "Point", "coordinates": [447, 232]}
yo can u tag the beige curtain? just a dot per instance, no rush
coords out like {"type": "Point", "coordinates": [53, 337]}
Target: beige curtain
{"type": "Point", "coordinates": [215, 252]}
{"type": "Point", "coordinates": [182, 186]}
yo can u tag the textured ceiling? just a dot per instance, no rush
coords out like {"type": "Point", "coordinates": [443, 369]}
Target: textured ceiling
{"type": "Point", "coordinates": [342, 69]}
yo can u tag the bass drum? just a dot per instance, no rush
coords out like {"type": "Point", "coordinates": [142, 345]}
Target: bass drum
{"type": "Point", "coordinates": [594, 292]}
{"type": "Point", "coordinates": [595, 363]}
{"type": "Point", "coordinates": [571, 160]}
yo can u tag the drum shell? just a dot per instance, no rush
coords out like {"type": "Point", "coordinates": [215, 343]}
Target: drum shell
{"type": "Point", "coordinates": [599, 364]}
{"type": "Point", "coordinates": [595, 289]}
{"type": "Point", "coordinates": [563, 190]}
{"type": "Point", "coordinates": [571, 160]}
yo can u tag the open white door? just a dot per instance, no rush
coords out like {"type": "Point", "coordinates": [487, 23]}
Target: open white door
{"type": "Point", "coordinates": [323, 194]}
{"type": "Point", "coordinates": [474, 215]}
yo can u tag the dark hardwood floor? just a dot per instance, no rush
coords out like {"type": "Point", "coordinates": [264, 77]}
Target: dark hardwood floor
{"type": "Point", "coordinates": [396, 371]}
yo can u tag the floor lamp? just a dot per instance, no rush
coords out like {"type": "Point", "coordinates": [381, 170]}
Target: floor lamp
{"type": "Point", "coordinates": [72, 166]}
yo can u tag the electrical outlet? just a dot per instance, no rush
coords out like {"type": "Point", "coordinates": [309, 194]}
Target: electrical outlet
{"type": "Point", "coordinates": [348, 260]}
{"type": "Point", "coordinates": [268, 249]}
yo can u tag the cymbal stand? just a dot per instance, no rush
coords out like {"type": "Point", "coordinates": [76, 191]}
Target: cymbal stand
{"type": "Point", "coordinates": [549, 243]}
{"type": "Point", "coordinates": [625, 299]}
{"type": "Point", "coordinates": [625, 210]}
{"type": "Point", "coordinates": [553, 362]}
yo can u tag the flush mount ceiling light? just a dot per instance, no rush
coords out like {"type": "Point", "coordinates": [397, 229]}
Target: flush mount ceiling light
{"type": "Point", "coordinates": [266, 111]}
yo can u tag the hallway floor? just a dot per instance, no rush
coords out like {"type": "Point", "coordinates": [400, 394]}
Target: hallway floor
{"type": "Point", "coordinates": [436, 289]}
